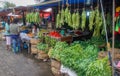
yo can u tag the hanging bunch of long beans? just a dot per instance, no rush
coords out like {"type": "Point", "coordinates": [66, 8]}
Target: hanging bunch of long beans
{"type": "Point", "coordinates": [83, 24]}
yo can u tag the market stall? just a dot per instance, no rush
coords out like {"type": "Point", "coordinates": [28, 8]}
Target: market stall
{"type": "Point", "coordinates": [78, 43]}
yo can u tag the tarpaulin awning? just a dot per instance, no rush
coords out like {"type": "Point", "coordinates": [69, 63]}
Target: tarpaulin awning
{"type": "Point", "coordinates": [54, 3]}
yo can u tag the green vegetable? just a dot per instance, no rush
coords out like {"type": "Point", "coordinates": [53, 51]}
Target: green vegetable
{"type": "Point", "coordinates": [91, 19]}
{"type": "Point", "coordinates": [83, 24]}
{"type": "Point", "coordinates": [66, 15]}
{"type": "Point", "coordinates": [42, 47]}
{"type": "Point", "coordinates": [99, 68]}
{"type": "Point", "coordinates": [33, 17]}
{"type": "Point", "coordinates": [70, 19]}
{"type": "Point", "coordinates": [58, 23]}
{"type": "Point", "coordinates": [77, 20]}
{"type": "Point", "coordinates": [62, 17]}
{"type": "Point", "coordinates": [75, 56]}
{"type": "Point", "coordinates": [73, 20]}
{"type": "Point", "coordinates": [98, 23]}
{"type": "Point", "coordinates": [50, 41]}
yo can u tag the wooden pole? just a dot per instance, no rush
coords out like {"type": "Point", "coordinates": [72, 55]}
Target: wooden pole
{"type": "Point", "coordinates": [113, 37]}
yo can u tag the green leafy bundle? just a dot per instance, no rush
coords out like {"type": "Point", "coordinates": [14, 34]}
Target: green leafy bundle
{"type": "Point", "coordinates": [33, 17]}
{"type": "Point", "coordinates": [99, 68]}
{"type": "Point", "coordinates": [42, 47]}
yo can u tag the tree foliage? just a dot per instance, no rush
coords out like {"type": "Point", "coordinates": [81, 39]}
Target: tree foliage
{"type": "Point", "coordinates": [8, 4]}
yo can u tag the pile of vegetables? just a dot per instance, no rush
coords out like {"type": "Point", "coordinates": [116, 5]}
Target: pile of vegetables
{"type": "Point", "coordinates": [99, 68]}
{"type": "Point", "coordinates": [80, 58]}
{"type": "Point", "coordinates": [54, 52]}
{"type": "Point", "coordinates": [55, 34]}
{"type": "Point", "coordinates": [50, 41]}
{"type": "Point", "coordinates": [33, 17]}
{"type": "Point", "coordinates": [96, 41]}
{"type": "Point", "coordinates": [42, 47]}
{"type": "Point", "coordinates": [40, 33]}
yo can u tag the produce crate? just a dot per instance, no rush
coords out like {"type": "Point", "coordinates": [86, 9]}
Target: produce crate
{"type": "Point", "coordinates": [56, 64]}
{"type": "Point", "coordinates": [103, 54]}
{"type": "Point", "coordinates": [42, 56]}
{"type": "Point", "coordinates": [41, 52]}
{"type": "Point", "coordinates": [56, 72]}
{"type": "Point", "coordinates": [34, 50]}
{"type": "Point", "coordinates": [34, 41]}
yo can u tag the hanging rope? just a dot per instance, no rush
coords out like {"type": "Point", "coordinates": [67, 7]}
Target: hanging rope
{"type": "Point", "coordinates": [74, 5]}
{"type": "Point", "coordinates": [78, 5]}
{"type": "Point", "coordinates": [58, 7]}
{"type": "Point", "coordinates": [62, 4]}
{"type": "Point", "coordinates": [84, 3]}
{"type": "Point", "coordinates": [98, 3]}
{"type": "Point", "coordinates": [92, 3]}
{"type": "Point", "coordinates": [67, 3]}
{"type": "Point", "coordinates": [70, 5]}
{"type": "Point", "coordinates": [104, 21]}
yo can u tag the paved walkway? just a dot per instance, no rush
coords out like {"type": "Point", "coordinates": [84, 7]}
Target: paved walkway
{"type": "Point", "coordinates": [19, 65]}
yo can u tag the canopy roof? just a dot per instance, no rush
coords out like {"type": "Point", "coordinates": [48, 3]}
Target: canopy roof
{"type": "Point", "coordinates": [54, 3]}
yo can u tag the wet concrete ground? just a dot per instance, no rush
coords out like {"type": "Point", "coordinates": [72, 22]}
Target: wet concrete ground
{"type": "Point", "coordinates": [21, 65]}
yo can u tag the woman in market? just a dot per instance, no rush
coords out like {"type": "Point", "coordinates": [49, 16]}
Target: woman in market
{"type": "Point", "coordinates": [14, 31]}
{"type": "Point", "coordinates": [7, 34]}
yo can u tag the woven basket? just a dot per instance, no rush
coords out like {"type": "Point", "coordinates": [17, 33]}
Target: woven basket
{"type": "Point", "coordinates": [42, 56]}
{"type": "Point", "coordinates": [34, 41]}
{"type": "Point", "coordinates": [34, 50]}
{"type": "Point", "coordinates": [41, 52]}
{"type": "Point", "coordinates": [56, 72]}
{"type": "Point", "coordinates": [56, 64]}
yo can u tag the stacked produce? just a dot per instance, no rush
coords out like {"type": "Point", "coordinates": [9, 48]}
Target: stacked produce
{"type": "Point", "coordinates": [33, 17]}
{"type": "Point", "coordinates": [80, 58]}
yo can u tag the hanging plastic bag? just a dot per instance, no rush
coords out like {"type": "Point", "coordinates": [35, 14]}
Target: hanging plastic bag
{"type": "Point", "coordinates": [116, 28]}
{"type": "Point", "coordinates": [117, 25]}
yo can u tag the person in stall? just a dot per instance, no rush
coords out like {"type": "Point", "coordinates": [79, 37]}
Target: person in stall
{"type": "Point", "coordinates": [14, 31]}
{"type": "Point", "coordinates": [7, 34]}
